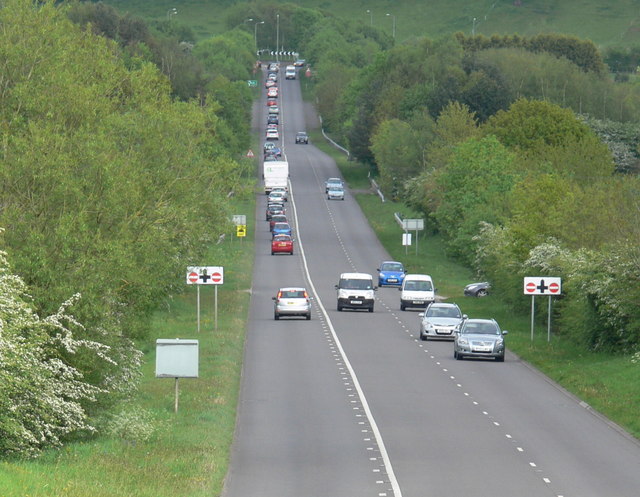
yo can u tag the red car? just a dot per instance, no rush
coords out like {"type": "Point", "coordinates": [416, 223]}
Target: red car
{"type": "Point", "coordinates": [282, 244]}
{"type": "Point", "coordinates": [272, 92]}
{"type": "Point", "coordinates": [271, 102]}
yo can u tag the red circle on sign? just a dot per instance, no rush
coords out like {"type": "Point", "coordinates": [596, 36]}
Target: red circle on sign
{"type": "Point", "coordinates": [554, 288]}
{"type": "Point", "coordinates": [531, 287]}
{"type": "Point", "coordinates": [193, 277]}
{"type": "Point", "coordinates": [216, 277]}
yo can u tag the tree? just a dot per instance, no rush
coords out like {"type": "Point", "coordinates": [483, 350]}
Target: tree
{"type": "Point", "coordinates": [474, 188]}
{"type": "Point", "coordinates": [529, 124]}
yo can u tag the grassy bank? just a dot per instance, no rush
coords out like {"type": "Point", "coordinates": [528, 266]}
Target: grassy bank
{"type": "Point", "coordinates": [610, 384]}
{"type": "Point", "coordinates": [615, 23]}
{"type": "Point", "coordinates": [188, 452]}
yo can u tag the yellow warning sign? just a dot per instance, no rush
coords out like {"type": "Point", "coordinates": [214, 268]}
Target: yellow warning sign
{"type": "Point", "coordinates": [241, 230]}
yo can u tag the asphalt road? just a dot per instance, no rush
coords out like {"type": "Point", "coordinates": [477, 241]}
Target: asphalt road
{"type": "Point", "coordinates": [353, 404]}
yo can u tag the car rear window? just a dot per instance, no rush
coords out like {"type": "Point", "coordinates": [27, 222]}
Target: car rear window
{"type": "Point", "coordinates": [294, 294]}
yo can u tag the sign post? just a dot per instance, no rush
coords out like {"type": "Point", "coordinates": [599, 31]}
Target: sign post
{"type": "Point", "coordinates": [206, 275]}
{"type": "Point", "coordinates": [176, 359]}
{"type": "Point", "coordinates": [542, 285]}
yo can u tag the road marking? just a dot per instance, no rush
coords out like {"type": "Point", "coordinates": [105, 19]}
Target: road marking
{"type": "Point", "coordinates": [356, 383]}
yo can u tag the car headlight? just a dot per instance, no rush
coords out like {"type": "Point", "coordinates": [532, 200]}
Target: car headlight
{"type": "Point", "coordinates": [462, 341]}
{"type": "Point", "coordinates": [429, 326]}
{"type": "Point", "coordinates": [499, 342]}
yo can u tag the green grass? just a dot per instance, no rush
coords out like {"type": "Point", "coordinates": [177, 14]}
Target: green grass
{"type": "Point", "coordinates": [189, 452]}
{"type": "Point", "coordinates": [606, 23]}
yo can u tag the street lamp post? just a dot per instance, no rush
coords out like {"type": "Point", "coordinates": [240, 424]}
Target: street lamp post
{"type": "Point", "coordinates": [370, 16]}
{"type": "Point", "coordinates": [394, 24]}
{"type": "Point", "coordinates": [171, 12]}
{"type": "Point", "coordinates": [473, 27]}
{"type": "Point", "coordinates": [255, 34]}
{"type": "Point", "coordinates": [277, 35]}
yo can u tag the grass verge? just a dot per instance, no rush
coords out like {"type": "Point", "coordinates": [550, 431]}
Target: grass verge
{"type": "Point", "coordinates": [188, 453]}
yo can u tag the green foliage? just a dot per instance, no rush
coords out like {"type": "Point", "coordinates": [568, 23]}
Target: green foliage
{"type": "Point", "coordinates": [398, 154]}
{"type": "Point", "coordinates": [583, 53]}
{"type": "Point", "coordinates": [109, 187]}
{"type": "Point", "coordinates": [473, 189]}
{"type": "Point", "coordinates": [229, 55]}
{"type": "Point", "coordinates": [530, 124]}
{"type": "Point", "coordinates": [42, 396]}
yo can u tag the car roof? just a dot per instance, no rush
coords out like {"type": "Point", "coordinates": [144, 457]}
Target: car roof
{"type": "Point", "coordinates": [282, 236]}
{"type": "Point", "coordinates": [391, 262]}
{"type": "Point", "coordinates": [480, 320]}
{"type": "Point", "coordinates": [356, 276]}
{"type": "Point", "coordinates": [334, 179]}
{"type": "Point", "coordinates": [288, 288]}
{"type": "Point", "coordinates": [443, 304]}
{"type": "Point", "coordinates": [423, 277]}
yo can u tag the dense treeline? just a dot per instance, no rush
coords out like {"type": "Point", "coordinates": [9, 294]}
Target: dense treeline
{"type": "Point", "coordinates": [522, 153]}
{"type": "Point", "coordinates": [109, 188]}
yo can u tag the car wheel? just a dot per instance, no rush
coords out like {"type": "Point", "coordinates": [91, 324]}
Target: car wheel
{"type": "Point", "coordinates": [276, 316]}
{"type": "Point", "coordinates": [500, 358]}
{"type": "Point", "coordinates": [403, 307]}
{"type": "Point", "coordinates": [423, 337]}
{"type": "Point", "coordinates": [457, 355]}
{"type": "Point", "coordinates": [339, 307]}
{"type": "Point", "coordinates": [371, 309]}
{"type": "Point", "coordinates": [291, 253]}
{"type": "Point", "coordinates": [308, 316]}
{"type": "Point", "coordinates": [482, 292]}
{"type": "Point", "coordinates": [272, 252]}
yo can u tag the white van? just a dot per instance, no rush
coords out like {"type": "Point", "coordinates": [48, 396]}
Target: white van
{"type": "Point", "coordinates": [356, 291]}
{"type": "Point", "coordinates": [417, 290]}
{"type": "Point", "coordinates": [290, 72]}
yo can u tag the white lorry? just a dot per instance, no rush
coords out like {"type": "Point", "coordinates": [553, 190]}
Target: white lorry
{"type": "Point", "coordinates": [290, 72]}
{"type": "Point", "coordinates": [275, 175]}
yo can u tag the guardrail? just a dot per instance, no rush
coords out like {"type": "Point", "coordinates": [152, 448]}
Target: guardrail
{"type": "Point", "coordinates": [332, 142]}
{"type": "Point", "coordinates": [374, 185]}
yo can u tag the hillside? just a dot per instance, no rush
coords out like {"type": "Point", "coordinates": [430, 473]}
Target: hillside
{"type": "Point", "coordinates": [605, 23]}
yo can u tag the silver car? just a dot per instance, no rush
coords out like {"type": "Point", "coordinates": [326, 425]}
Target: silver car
{"type": "Point", "coordinates": [335, 193]}
{"type": "Point", "coordinates": [440, 320]}
{"type": "Point", "coordinates": [479, 338]}
{"type": "Point", "coordinates": [292, 301]}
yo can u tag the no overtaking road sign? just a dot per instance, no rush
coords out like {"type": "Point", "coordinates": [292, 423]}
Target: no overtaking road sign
{"type": "Point", "coordinates": [542, 285]}
{"type": "Point", "coordinates": [205, 275]}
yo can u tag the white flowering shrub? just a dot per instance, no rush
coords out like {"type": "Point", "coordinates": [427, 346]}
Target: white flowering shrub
{"type": "Point", "coordinates": [132, 424]}
{"type": "Point", "coordinates": [41, 395]}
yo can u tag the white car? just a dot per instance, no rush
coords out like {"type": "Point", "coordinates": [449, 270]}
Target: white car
{"type": "Point", "coordinates": [273, 134]}
{"type": "Point", "coordinates": [274, 109]}
{"type": "Point", "coordinates": [332, 182]}
{"type": "Point", "coordinates": [440, 320]}
{"type": "Point", "coordinates": [276, 197]}
{"type": "Point", "coordinates": [335, 193]}
{"type": "Point", "coordinates": [283, 191]}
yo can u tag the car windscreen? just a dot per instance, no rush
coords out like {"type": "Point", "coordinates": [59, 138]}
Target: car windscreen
{"type": "Point", "coordinates": [355, 284]}
{"type": "Point", "coordinates": [392, 266]}
{"type": "Point", "coordinates": [418, 286]}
